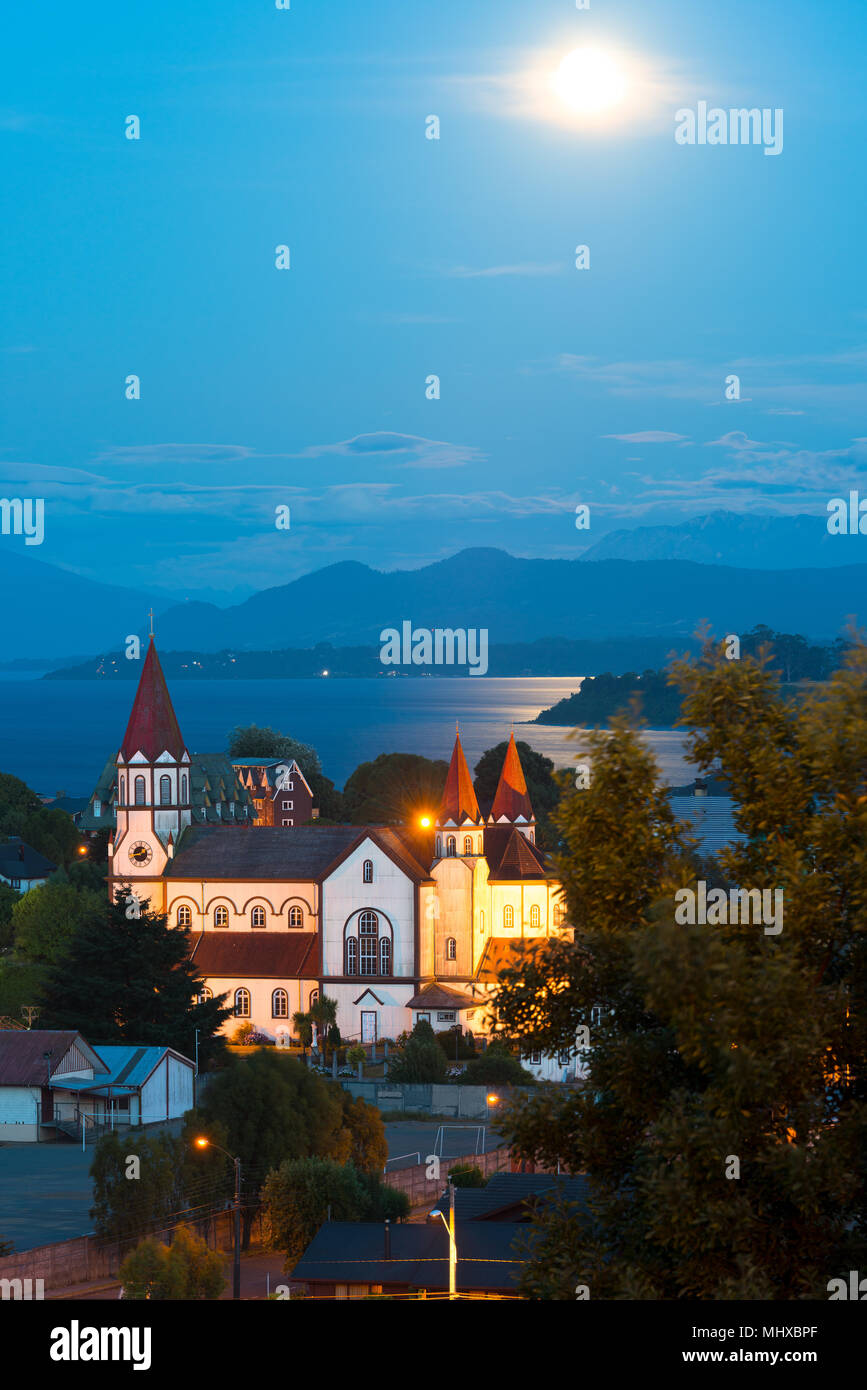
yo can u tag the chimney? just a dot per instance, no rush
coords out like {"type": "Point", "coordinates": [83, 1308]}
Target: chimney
{"type": "Point", "coordinates": [387, 1240]}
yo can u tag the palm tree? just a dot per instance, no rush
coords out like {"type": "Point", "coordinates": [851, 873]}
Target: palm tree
{"type": "Point", "coordinates": [304, 1028]}
{"type": "Point", "coordinates": [323, 1012]}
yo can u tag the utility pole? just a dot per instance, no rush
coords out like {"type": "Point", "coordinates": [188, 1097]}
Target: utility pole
{"type": "Point", "coordinates": [236, 1275]}
{"type": "Point", "coordinates": [453, 1252]}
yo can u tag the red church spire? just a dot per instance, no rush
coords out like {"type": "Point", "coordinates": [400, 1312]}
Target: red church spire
{"type": "Point", "coordinates": [153, 727]}
{"type": "Point", "coordinates": [511, 801]}
{"type": "Point", "coordinates": [459, 802]}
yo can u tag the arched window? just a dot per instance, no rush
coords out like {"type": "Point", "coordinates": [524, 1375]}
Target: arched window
{"type": "Point", "coordinates": [221, 916]}
{"type": "Point", "coordinates": [559, 914]}
{"type": "Point", "coordinates": [451, 846]}
{"type": "Point", "coordinates": [185, 790]}
{"type": "Point", "coordinates": [508, 916]}
{"type": "Point", "coordinates": [122, 797]}
{"type": "Point", "coordinates": [451, 949]}
{"type": "Point", "coordinates": [368, 871]}
{"type": "Point", "coordinates": [185, 917]}
{"type": "Point", "coordinates": [257, 917]}
{"type": "Point", "coordinates": [140, 791]}
{"type": "Point", "coordinates": [314, 998]}
{"type": "Point", "coordinates": [535, 916]}
{"type": "Point", "coordinates": [384, 956]}
{"type": "Point", "coordinates": [242, 1003]}
{"type": "Point", "coordinates": [279, 1004]}
{"type": "Point", "coordinates": [296, 917]}
{"type": "Point", "coordinates": [165, 790]}
{"type": "Point", "coordinates": [352, 955]}
{"type": "Point", "coordinates": [205, 993]}
{"type": "Point", "coordinates": [468, 844]}
{"type": "Point", "coordinates": [439, 852]}
{"type": "Point", "coordinates": [368, 929]}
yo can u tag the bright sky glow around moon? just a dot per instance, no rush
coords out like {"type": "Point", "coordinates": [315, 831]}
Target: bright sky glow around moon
{"type": "Point", "coordinates": [589, 81]}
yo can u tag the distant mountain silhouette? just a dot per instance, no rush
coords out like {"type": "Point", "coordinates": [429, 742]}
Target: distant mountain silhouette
{"type": "Point", "coordinates": [48, 611]}
{"type": "Point", "coordinates": [728, 538]}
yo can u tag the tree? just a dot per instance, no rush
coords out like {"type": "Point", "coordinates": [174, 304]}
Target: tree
{"type": "Point", "coordinates": [323, 1012]}
{"type": "Point", "coordinates": [364, 1143]}
{"type": "Point", "coordinates": [270, 1108]}
{"type": "Point", "coordinates": [467, 1175]}
{"type": "Point", "coordinates": [496, 1067]}
{"type": "Point", "coordinates": [419, 1057]}
{"type": "Point", "coordinates": [135, 1187]}
{"type": "Point", "coordinates": [251, 741]}
{"type": "Point", "coordinates": [299, 1195]}
{"type": "Point", "coordinates": [185, 1270]}
{"type": "Point", "coordinates": [544, 788]}
{"type": "Point", "coordinates": [723, 1127]}
{"type": "Point", "coordinates": [303, 1025]}
{"type": "Point", "coordinates": [394, 789]}
{"type": "Point", "coordinates": [130, 979]}
{"type": "Point", "coordinates": [8, 901]}
{"type": "Point", "coordinates": [46, 919]}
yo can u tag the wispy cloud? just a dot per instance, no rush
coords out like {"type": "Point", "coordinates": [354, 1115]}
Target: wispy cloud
{"type": "Point", "coordinates": [490, 272]}
{"type": "Point", "coordinates": [415, 450]}
{"type": "Point", "coordinates": [649, 437]}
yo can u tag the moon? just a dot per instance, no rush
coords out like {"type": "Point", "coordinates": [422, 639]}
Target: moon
{"type": "Point", "coordinates": [589, 81]}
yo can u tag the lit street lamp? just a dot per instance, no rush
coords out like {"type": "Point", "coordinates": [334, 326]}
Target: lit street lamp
{"type": "Point", "coordinates": [453, 1249]}
{"type": "Point", "coordinates": [203, 1143]}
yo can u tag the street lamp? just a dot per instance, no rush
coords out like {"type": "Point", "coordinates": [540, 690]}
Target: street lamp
{"type": "Point", "coordinates": [453, 1249]}
{"type": "Point", "coordinates": [203, 1143]}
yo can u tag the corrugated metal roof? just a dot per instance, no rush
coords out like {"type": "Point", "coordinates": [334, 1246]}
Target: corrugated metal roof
{"type": "Point", "coordinates": [710, 819]}
{"type": "Point", "coordinates": [22, 1055]}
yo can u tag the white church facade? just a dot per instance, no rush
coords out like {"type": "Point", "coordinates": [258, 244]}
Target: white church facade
{"type": "Point", "coordinates": [394, 923]}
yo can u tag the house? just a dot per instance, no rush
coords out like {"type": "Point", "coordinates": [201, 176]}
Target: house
{"type": "Point", "coordinates": [278, 790]}
{"type": "Point", "coordinates": [392, 923]}
{"type": "Point", "coordinates": [54, 1084]}
{"type": "Point", "coordinates": [513, 1197]}
{"type": "Point", "coordinates": [348, 1259]}
{"type": "Point", "coordinates": [21, 867]}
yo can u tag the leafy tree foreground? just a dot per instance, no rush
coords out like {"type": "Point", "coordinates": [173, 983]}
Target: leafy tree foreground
{"type": "Point", "coordinates": [722, 1127]}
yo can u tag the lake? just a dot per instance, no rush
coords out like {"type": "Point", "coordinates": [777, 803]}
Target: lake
{"type": "Point", "coordinates": [58, 734]}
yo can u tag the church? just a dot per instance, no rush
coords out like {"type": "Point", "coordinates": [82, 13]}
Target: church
{"type": "Point", "coordinates": [395, 924]}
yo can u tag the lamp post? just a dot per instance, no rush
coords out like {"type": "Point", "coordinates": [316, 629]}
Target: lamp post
{"type": "Point", "coordinates": [203, 1143]}
{"type": "Point", "coordinates": [453, 1249]}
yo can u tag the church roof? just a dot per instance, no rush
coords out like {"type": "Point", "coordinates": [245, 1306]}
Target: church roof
{"type": "Point", "coordinates": [510, 855]}
{"type": "Point", "coordinates": [459, 802]}
{"type": "Point", "coordinates": [301, 852]}
{"type": "Point", "coordinates": [153, 727]}
{"type": "Point", "coordinates": [280, 955]}
{"type": "Point", "coordinates": [511, 800]}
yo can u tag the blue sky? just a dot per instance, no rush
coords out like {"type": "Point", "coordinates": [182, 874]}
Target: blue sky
{"type": "Point", "coordinates": [410, 257]}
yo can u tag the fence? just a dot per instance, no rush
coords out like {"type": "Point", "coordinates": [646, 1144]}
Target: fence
{"type": "Point", "coordinates": [421, 1189]}
{"type": "Point", "coordinates": [457, 1102]}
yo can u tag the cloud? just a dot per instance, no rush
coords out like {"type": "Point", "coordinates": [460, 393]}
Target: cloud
{"type": "Point", "coordinates": [417, 451]}
{"type": "Point", "coordinates": [465, 272]}
{"type": "Point", "coordinates": [175, 453]}
{"type": "Point", "coordinates": [648, 437]}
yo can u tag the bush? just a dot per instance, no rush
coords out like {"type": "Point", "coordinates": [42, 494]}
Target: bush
{"type": "Point", "coordinates": [467, 1175]}
{"type": "Point", "coordinates": [186, 1269]}
{"type": "Point", "coordinates": [496, 1067]}
{"type": "Point", "coordinates": [455, 1045]}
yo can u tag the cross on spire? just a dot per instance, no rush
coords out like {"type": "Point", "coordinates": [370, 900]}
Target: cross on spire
{"type": "Point", "coordinates": [151, 617]}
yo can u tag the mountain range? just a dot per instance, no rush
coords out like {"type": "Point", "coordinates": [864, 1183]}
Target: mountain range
{"type": "Point", "coordinates": [644, 589]}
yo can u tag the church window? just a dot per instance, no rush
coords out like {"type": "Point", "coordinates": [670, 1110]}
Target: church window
{"type": "Point", "coordinates": [140, 791]}
{"type": "Point", "coordinates": [559, 914]}
{"type": "Point", "coordinates": [368, 927]}
{"type": "Point", "coordinates": [508, 916]}
{"type": "Point", "coordinates": [439, 846]}
{"type": "Point", "coordinates": [352, 955]}
{"type": "Point", "coordinates": [122, 798]}
{"type": "Point", "coordinates": [185, 789]}
{"type": "Point", "coordinates": [221, 916]}
{"type": "Point", "coordinates": [205, 993]}
{"type": "Point", "coordinates": [481, 921]}
{"type": "Point", "coordinates": [368, 871]}
{"type": "Point", "coordinates": [296, 917]}
{"type": "Point", "coordinates": [165, 791]}
{"type": "Point", "coordinates": [451, 846]}
{"type": "Point", "coordinates": [185, 917]}
{"type": "Point", "coordinates": [257, 917]}
{"type": "Point", "coordinates": [242, 1003]}
{"type": "Point", "coordinates": [451, 949]}
{"type": "Point", "coordinates": [314, 997]}
{"type": "Point", "coordinates": [384, 956]}
{"type": "Point", "coordinates": [535, 916]}
{"type": "Point", "coordinates": [468, 844]}
{"type": "Point", "coordinates": [279, 1004]}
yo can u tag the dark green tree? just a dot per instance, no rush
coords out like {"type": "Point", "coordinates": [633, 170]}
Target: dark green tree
{"type": "Point", "coordinates": [418, 1057]}
{"type": "Point", "coordinates": [128, 978]}
{"type": "Point", "coordinates": [297, 1197]}
{"type": "Point", "coordinates": [394, 789]}
{"type": "Point", "coordinates": [252, 741]}
{"type": "Point", "coordinates": [186, 1270]}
